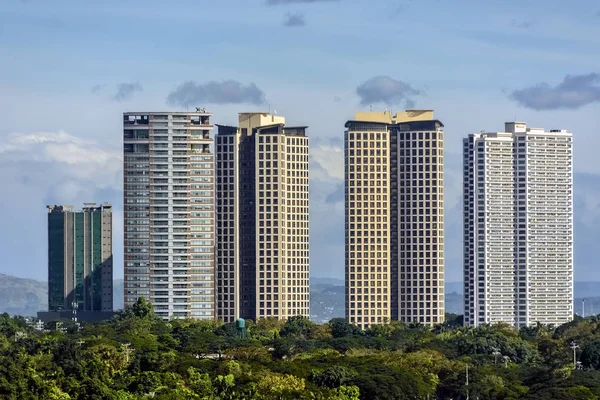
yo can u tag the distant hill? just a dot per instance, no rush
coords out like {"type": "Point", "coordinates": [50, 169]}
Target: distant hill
{"type": "Point", "coordinates": [21, 296]}
{"type": "Point", "coordinates": [326, 281]}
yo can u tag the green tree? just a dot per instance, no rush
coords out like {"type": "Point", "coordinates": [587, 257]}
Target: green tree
{"type": "Point", "coordinates": [280, 386]}
{"type": "Point", "coordinates": [340, 328]}
{"type": "Point", "coordinates": [345, 393]}
{"type": "Point", "coordinates": [333, 377]}
{"type": "Point", "coordinates": [580, 393]}
{"type": "Point", "coordinates": [590, 354]}
{"type": "Point", "coordinates": [224, 387]}
{"type": "Point", "coordinates": [140, 309]}
{"type": "Point", "coordinates": [298, 327]}
{"type": "Point", "coordinates": [200, 383]}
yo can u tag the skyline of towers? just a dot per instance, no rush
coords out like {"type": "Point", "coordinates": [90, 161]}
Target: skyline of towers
{"type": "Point", "coordinates": [225, 235]}
{"type": "Point", "coordinates": [518, 226]}
{"type": "Point", "coordinates": [80, 258]}
{"type": "Point", "coordinates": [394, 258]}
{"type": "Point", "coordinates": [262, 219]}
{"type": "Point", "coordinates": [169, 212]}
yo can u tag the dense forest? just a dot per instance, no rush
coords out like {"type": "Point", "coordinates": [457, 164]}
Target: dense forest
{"type": "Point", "coordinates": [138, 356]}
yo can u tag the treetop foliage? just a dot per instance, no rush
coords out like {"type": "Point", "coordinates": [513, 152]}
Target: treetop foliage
{"type": "Point", "coordinates": [138, 356]}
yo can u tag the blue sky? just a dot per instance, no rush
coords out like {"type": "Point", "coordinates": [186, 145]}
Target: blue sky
{"type": "Point", "coordinates": [69, 68]}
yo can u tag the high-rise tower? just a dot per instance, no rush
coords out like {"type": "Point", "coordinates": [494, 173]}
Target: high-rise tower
{"type": "Point", "coordinates": [169, 212]}
{"type": "Point", "coordinates": [394, 218]}
{"type": "Point", "coordinates": [518, 226]}
{"type": "Point", "coordinates": [262, 219]}
{"type": "Point", "coordinates": [80, 259]}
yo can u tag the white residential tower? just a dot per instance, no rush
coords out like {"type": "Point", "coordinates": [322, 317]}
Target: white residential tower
{"type": "Point", "coordinates": [518, 226]}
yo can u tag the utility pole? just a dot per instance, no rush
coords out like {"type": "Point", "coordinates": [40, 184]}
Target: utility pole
{"type": "Point", "coordinates": [496, 353]}
{"type": "Point", "coordinates": [127, 350]}
{"type": "Point", "coordinates": [467, 384]}
{"type": "Point", "coordinates": [583, 308]}
{"type": "Point", "coordinates": [574, 346]}
{"type": "Point", "coordinates": [60, 328]}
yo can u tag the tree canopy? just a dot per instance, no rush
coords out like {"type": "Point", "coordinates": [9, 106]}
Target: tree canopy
{"type": "Point", "coordinates": [138, 356]}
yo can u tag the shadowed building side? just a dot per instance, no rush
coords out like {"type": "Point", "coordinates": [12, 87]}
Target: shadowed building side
{"type": "Point", "coordinates": [80, 261]}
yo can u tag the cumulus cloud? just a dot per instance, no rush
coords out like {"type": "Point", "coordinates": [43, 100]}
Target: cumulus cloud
{"type": "Point", "coordinates": [383, 89]}
{"type": "Point", "coordinates": [294, 20]}
{"type": "Point", "coordinates": [41, 168]}
{"type": "Point", "coordinates": [338, 195]}
{"type": "Point", "coordinates": [190, 94]}
{"type": "Point", "coordinates": [126, 90]}
{"type": "Point", "coordinates": [20, 142]}
{"type": "Point", "coordinates": [327, 160]}
{"type": "Point", "coordinates": [327, 166]}
{"type": "Point", "coordinates": [326, 216]}
{"type": "Point", "coordinates": [278, 2]}
{"type": "Point", "coordinates": [573, 92]}
{"type": "Point", "coordinates": [72, 157]}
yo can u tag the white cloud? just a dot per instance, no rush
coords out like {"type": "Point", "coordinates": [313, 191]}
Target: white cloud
{"type": "Point", "coordinates": [37, 169]}
{"type": "Point", "coordinates": [330, 157]}
{"type": "Point", "coordinates": [74, 157]}
{"type": "Point", "coordinates": [23, 141]}
{"type": "Point", "coordinates": [326, 218]}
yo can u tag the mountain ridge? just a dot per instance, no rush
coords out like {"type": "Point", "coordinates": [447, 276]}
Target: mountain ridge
{"type": "Point", "coordinates": [26, 296]}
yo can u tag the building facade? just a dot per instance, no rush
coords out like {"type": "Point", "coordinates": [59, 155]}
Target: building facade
{"type": "Point", "coordinates": [169, 212]}
{"type": "Point", "coordinates": [518, 226]}
{"type": "Point", "coordinates": [394, 218]}
{"type": "Point", "coordinates": [80, 259]}
{"type": "Point", "coordinates": [262, 256]}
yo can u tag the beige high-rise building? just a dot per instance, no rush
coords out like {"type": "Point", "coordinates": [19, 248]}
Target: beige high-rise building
{"type": "Point", "coordinates": [394, 218]}
{"type": "Point", "coordinates": [169, 212]}
{"type": "Point", "coordinates": [262, 257]}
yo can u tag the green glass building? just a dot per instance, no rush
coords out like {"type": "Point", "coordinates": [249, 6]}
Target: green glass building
{"type": "Point", "coordinates": [80, 259]}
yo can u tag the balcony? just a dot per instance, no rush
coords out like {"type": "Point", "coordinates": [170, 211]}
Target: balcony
{"type": "Point", "coordinates": [135, 120]}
